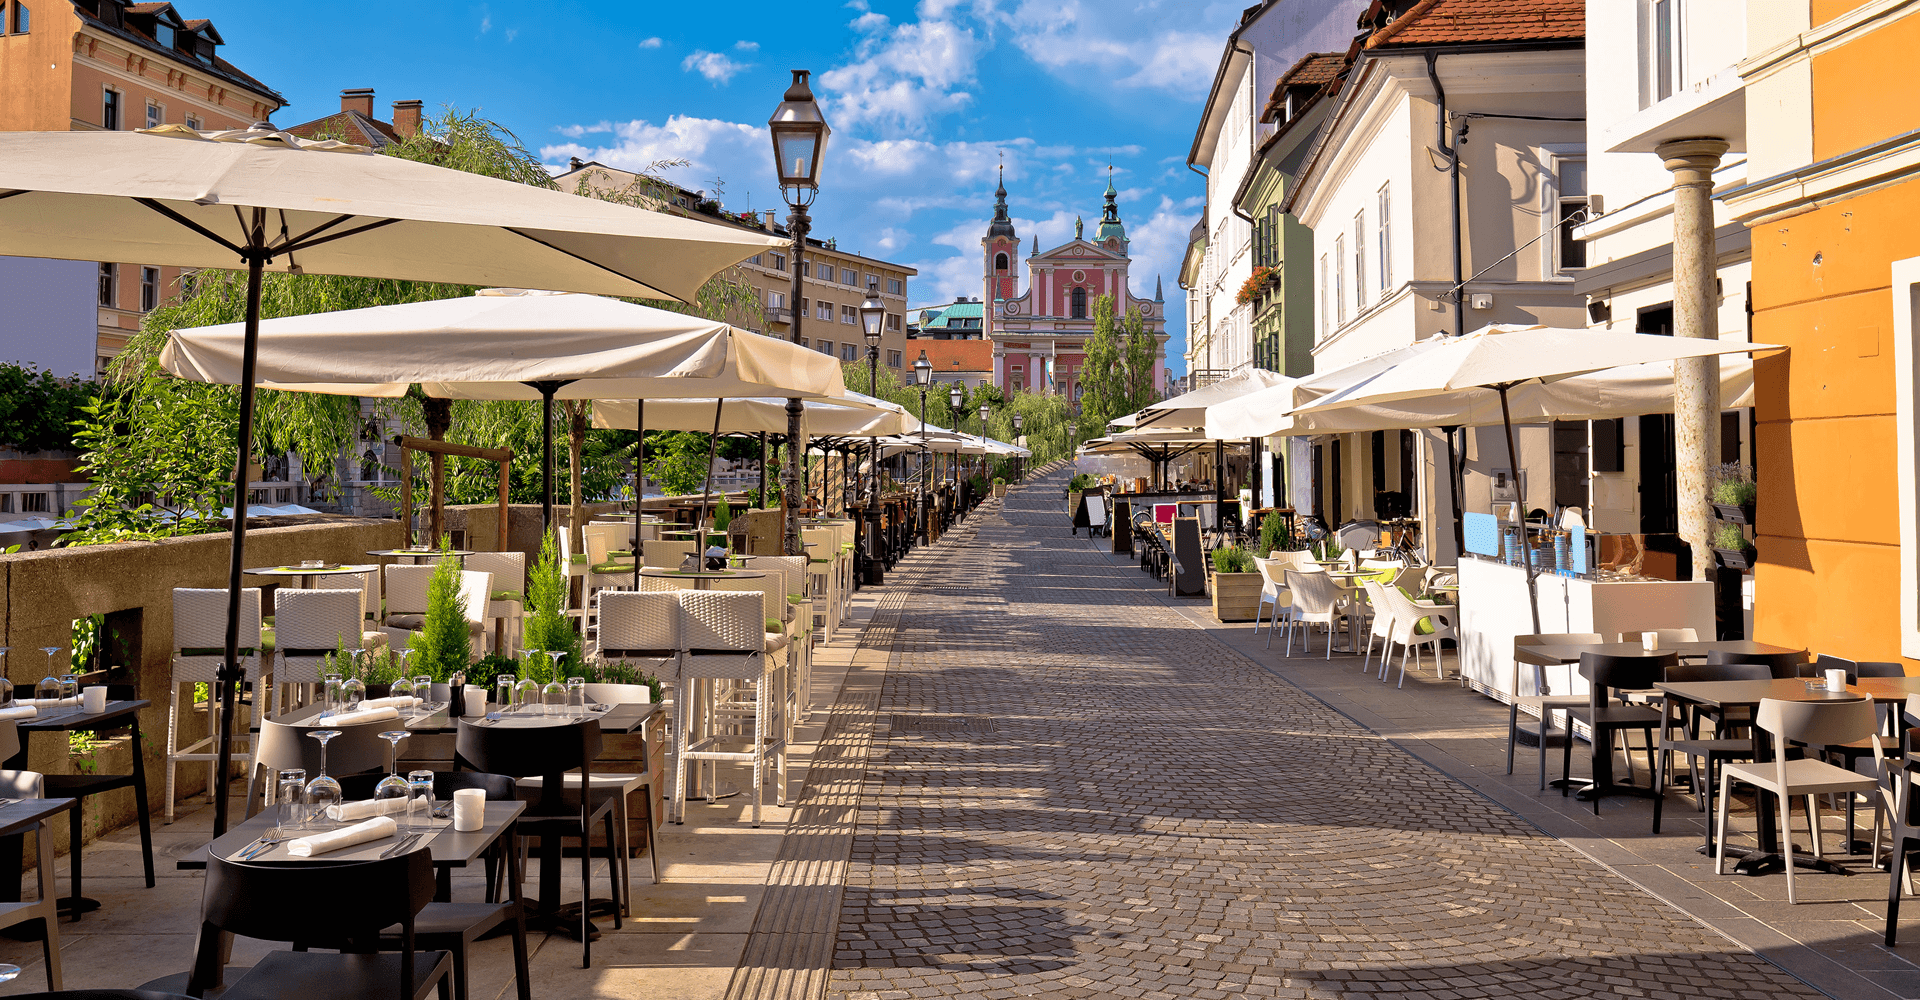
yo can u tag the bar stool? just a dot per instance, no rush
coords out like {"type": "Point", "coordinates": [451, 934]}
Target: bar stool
{"type": "Point", "coordinates": [199, 646]}
{"type": "Point", "coordinates": [724, 640]}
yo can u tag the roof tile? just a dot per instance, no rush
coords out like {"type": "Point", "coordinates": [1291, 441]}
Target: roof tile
{"type": "Point", "coordinates": [957, 355]}
{"type": "Point", "coordinates": [1446, 22]}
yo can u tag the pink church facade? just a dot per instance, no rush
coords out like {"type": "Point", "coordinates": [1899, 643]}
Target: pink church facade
{"type": "Point", "coordinates": [1039, 336]}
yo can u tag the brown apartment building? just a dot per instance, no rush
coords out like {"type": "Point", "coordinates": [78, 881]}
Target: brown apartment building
{"type": "Point", "coordinates": [834, 280]}
{"type": "Point", "coordinates": [111, 64]}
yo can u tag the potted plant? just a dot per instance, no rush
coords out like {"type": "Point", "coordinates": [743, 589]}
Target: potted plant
{"type": "Point", "coordinates": [1730, 544]}
{"type": "Point", "coordinates": [1077, 488]}
{"type": "Point", "coordinates": [1235, 585]}
{"type": "Point", "coordinates": [1733, 494]}
{"type": "Point", "coordinates": [999, 486]}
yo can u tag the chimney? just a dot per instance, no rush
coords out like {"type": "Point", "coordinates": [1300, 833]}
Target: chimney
{"type": "Point", "coordinates": [406, 117]}
{"type": "Point", "coordinates": [769, 220]}
{"type": "Point", "coordinates": [358, 99]}
{"type": "Point", "coordinates": [573, 163]}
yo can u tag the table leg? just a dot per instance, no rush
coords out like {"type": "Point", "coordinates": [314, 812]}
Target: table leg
{"type": "Point", "coordinates": [140, 800]}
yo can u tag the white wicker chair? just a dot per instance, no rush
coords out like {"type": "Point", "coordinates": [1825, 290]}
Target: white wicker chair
{"type": "Point", "coordinates": [407, 595]}
{"type": "Point", "coordinates": [724, 641]}
{"type": "Point", "coordinates": [199, 646]}
{"type": "Point", "coordinates": [663, 554]}
{"type": "Point", "coordinates": [794, 571]}
{"type": "Point", "coordinates": [362, 582]}
{"type": "Point", "coordinates": [507, 605]}
{"type": "Point", "coordinates": [309, 624]}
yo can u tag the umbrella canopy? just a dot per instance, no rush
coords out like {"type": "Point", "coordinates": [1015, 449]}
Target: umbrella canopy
{"type": "Point", "coordinates": [852, 415]}
{"type": "Point", "coordinates": [505, 344]}
{"type": "Point", "coordinates": [261, 198]}
{"type": "Point", "coordinates": [169, 197]}
{"type": "Point", "coordinates": [1190, 409]}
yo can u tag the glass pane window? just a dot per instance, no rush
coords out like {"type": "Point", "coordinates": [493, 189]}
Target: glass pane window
{"type": "Point", "coordinates": [109, 285]}
{"type": "Point", "coordinates": [155, 114]}
{"type": "Point", "coordinates": [22, 19]}
{"type": "Point", "coordinates": [110, 110]}
{"type": "Point", "coordinates": [824, 346]}
{"type": "Point", "coordinates": [849, 277]}
{"type": "Point", "coordinates": [1385, 252]}
{"type": "Point", "coordinates": [848, 353]}
{"type": "Point", "coordinates": [893, 359]}
{"type": "Point", "coordinates": [149, 289]}
{"type": "Point", "coordinates": [779, 261]}
{"type": "Point", "coordinates": [1571, 211]}
{"type": "Point", "coordinates": [895, 286]}
{"type": "Point", "coordinates": [1359, 261]}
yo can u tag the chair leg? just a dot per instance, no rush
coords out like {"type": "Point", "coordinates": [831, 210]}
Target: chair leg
{"type": "Point", "coordinates": [173, 744]}
{"type": "Point", "coordinates": [613, 871]}
{"type": "Point", "coordinates": [1513, 727]}
{"type": "Point", "coordinates": [1897, 870]}
{"type": "Point", "coordinates": [1546, 727]}
{"type": "Point", "coordinates": [1566, 759]}
{"type": "Point", "coordinates": [586, 898]}
{"type": "Point", "coordinates": [50, 925]}
{"type": "Point", "coordinates": [1786, 849]}
{"type": "Point", "coordinates": [1659, 766]}
{"type": "Point", "coordinates": [459, 948]}
{"type": "Point", "coordinates": [1813, 824]}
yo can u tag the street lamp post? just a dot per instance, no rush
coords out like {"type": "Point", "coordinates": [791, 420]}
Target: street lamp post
{"type": "Point", "coordinates": [873, 314]}
{"type": "Point", "coordinates": [985, 411]}
{"type": "Point", "coordinates": [956, 396]}
{"type": "Point", "coordinates": [1019, 420]}
{"type": "Point", "coordinates": [800, 135]}
{"type": "Point", "coordinates": [923, 377]}
{"type": "Point", "coordinates": [1073, 433]}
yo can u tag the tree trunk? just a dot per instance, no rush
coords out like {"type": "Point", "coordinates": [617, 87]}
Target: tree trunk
{"type": "Point", "coordinates": [576, 443]}
{"type": "Point", "coordinates": [439, 416]}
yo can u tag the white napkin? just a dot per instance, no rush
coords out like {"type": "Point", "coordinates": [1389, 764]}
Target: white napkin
{"type": "Point", "coordinates": [48, 702]}
{"type": "Point", "coordinates": [358, 716]}
{"type": "Point", "coordinates": [377, 828]}
{"type": "Point", "coordinates": [20, 710]}
{"type": "Point", "coordinates": [399, 702]}
{"type": "Point", "coordinates": [353, 812]}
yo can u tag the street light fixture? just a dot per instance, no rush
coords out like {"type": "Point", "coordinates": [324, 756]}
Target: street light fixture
{"type": "Point", "coordinates": [923, 377]}
{"type": "Point", "coordinates": [800, 134]}
{"type": "Point", "coordinates": [1019, 421]}
{"type": "Point", "coordinates": [873, 313]}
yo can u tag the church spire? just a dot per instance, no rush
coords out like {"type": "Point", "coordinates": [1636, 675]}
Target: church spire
{"type": "Point", "coordinates": [1159, 295]}
{"type": "Point", "coordinates": [1002, 224]}
{"type": "Point", "coordinates": [1110, 225]}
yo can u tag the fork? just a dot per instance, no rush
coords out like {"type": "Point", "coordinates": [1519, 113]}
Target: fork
{"type": "Point", "coordinates": [406, 844]}
{"type": "Point", "coordinates": [273, 839]}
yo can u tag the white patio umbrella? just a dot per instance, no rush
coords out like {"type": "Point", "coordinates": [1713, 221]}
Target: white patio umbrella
{"type": "Point", "coordinates": [262, 198]}
{"type": "Point", "coordinates": [1190, 409]}
{"type": "Point", "coordinates": [1501, 359]}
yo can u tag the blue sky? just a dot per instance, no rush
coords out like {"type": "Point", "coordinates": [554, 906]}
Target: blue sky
{"type": "Point", "coordinates": [924, 99]}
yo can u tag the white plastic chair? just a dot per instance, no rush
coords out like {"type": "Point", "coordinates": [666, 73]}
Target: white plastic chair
{"type": "Point", "coordinates": [199, 646]}
{"type": "Point", "coordinates": [1407, 616]}
{"type": "Point", "coordinates": [1382, 627]}
{"type": "Point", "coordinates": [1273, 594]}
{"type": "Point", "coordinates": [1316, 601]}
{"type": "Point", "coordinates": [1814, 723]}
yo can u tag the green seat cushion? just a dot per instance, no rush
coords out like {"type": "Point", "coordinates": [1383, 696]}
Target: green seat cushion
{"type": "Point", "coordinates": [509, 595]}
{"type": "Point", "coordinates": [776, 625]}
{"type": "Point", "coordinates": [620, 553]}
{"type": "Point", "coordinates": [614, 567]}
{"type": "Point", "coordinates": [1425, 625]}
{"type": "Point", "coordinates": [819, 560]}
{"type": "Point", "coordinates": [580, 560]}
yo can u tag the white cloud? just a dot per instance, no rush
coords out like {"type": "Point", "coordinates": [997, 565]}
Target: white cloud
{"type": "Point", "coordinates": [1175, 46]}
{"type": "Point", "coordinates": [576, 131]}
{"type": "Point", "coordinates": [651, 43]}
{"type": "Point", "coordinates": [512, 33]}
{"type": "Point", "coordinates": [715, 66]}
{"type": "Point", "coordinates": [903, 75]}
{"type": "Point", "coordinates": [486, 23]}
{"type": "Point", "coordinates": [746, 46]}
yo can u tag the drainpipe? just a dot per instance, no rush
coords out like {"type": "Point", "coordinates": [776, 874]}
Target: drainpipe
{"type": "Point", "coordinates": [1441, 125]}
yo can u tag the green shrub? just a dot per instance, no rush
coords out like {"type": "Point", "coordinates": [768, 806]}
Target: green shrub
{"type": "Point", "coordinates": [1273, 534]}
{"type": "Point", "coordinates": [1232, 559]}
{"type": "Point", "coordinates": [443, 645]}
{"type": "Point", "coordinates": [1080, 481]}
{"type": "Point", "coordinates": [547, 626]}
{"type": "Point", "coordinates": [722, 515]}
{"type": "Point", "coordinates": [999, 481]}
{"type": "Point", "coordinates": [1732, 485]}
{"type": "Point", "coordinates": [1730, 537]}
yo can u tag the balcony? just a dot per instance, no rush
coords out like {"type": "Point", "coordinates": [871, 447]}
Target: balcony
{"type": "Point", "coordinates": [777, 314]}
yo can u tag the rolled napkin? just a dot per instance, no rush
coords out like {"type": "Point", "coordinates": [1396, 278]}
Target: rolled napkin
{"type": "Point", "coordinates": [20, 710]}
{"type": "Point", "coordinates": [378, 828]}
{"type": "Point", "coordinates": [399, 702]}
{"type": "Point", "coordinates": [358, 716]}
{"type": "Point", "coordinates": [354, 812]}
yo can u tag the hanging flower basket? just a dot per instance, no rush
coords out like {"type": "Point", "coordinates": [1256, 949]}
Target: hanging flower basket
{"type": "Point", "coordinates": [1259, 281]}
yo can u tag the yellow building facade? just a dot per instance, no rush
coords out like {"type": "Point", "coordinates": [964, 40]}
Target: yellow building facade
{"type": "Point", "coordinates": [1832, 203]}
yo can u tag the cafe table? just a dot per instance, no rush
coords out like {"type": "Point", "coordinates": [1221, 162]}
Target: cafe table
{"type": "Point", "coordinates": [1559, 653]}
{"type": "Point", "coordinates": [1349, 580]}
{"type": "Point", "coordinates": [306, 574]}
{"type": "Point", "coordinates": [617, 718]}
{"type": "Point", "coordinates": [1748, 694]}
{"type": "Point", "coordinates": [19, 817]}
{"type": "Point", "coordinates": [418, 554]}
{"type": "Point", "coordinates": [71, 719]}
{"type": "Point", "coordinates": [702, 579]}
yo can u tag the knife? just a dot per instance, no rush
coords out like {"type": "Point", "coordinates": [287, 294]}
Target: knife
{"type": "Point", "coordinates": [406, 843]}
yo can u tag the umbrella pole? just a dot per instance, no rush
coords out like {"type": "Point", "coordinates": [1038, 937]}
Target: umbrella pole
{"type": "Point", "coordinates": [640, 465]}
{"type": "Point", "coordinates": [763, 471]}
{"type": "Point", "coordinates": [546, 458]}
{"type": "Point", "coordinates": [1526, 547]}
{"type": "Point", "coordinates": [706, 488]}
{"type": "Point", "coordinates": [1453, 491]}
{"type": "Point", "coordinates": [230, 672]}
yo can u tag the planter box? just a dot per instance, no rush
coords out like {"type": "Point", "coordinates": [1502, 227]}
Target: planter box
{"type": "Point", "coordinates": [1735, 513]}
{"type": "Point", "coordinates": [1736, 558]}
{"type": "Point", "coordinates": [1236, 596]}
{"type": "Point", "coordinates": [999, 489]}
{"type": "Point", "coordinates": [1073, 501]}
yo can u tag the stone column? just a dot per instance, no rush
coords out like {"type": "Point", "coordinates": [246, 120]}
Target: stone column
{"type": "Point", "coordinates": [1696, 403]}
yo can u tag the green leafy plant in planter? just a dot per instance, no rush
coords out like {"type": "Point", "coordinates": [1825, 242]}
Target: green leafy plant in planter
{"type": "Point", "coordinates": [1232, 559]}
{"type": "Point", "coordinates": [622, 672]}
{"type": "Point", "coordinates": [443, 645]}
{"type": "Point", "coordinates": [722, 516]}
{"type": "Point", "coordinates": [547, 627]}
{"type": "Point", "coordinates": [1732, 546]}
{"type": "Point", "coordinates": [1273, 535]}
{"type": "Point", "coordinates": [1733, 493]}
{"type": "Point", "coordinates": [999, 481]}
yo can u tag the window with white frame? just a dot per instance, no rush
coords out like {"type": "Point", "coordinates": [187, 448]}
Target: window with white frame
{"type": "Point", "coordinates": [848, 352]}
{"type": "Point", "coordinates": [1382, 229]}
{"type": "Point", "coordinates": [779, 261]}
{"type": "Point", "coordinates": [896, 286]}
{"type": "Point", "coordinates": [849, 277]}
{"type": "Point", "coordinates": [1359, 260]}
{"type": "Point", "coordinates": [156, 113]}
{"type": "Point", "coordinates": [893, 322]}
{"type": "Point", "coordinates": [33, 503]}
{"type": "Point", "coordinates": [1569, 210]}
{"type": "Point", "coordinates": [776, 300]}
{"type": "Point", "coordinates": [110, 109]}
{"type": "Point", "coordinates": [1326, 314]}
{"type": "Point", "coordinates": [109, 285]}
{"type": "Point", "coordinates": [893, 359]}
{"type": "Point", "coordinates": [849, 315]}
{"type": "Point", "coordinates": [1340, 279]}
{"type": "Point", "coordinates": [1660, 64]}
{"type": "Point", "coordinates": [823, 310]}
{"type": "Point", "coordinates": [823, 346]}
{"type": "Point", "coordinates": [193, 121]}
{"type": "Point", "coordinates": [149, 289]}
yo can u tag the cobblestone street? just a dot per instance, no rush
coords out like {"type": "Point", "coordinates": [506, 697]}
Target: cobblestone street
{"type": "Point", "coordinates": [1071, 791]}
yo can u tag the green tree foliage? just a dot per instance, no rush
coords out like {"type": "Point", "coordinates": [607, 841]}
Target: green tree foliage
{"type": "Point", "coordinates": [547, 627]}
{"type": "Point", "coordinates": [154, 452]}
{"type": "Point", "coordinates": [1044, 417]}
{"type": "Point", "coordinates": [37, 410]}
{"type": "Point", "coordinates": [443, 645]}
{"type": "Point", "coordinates": [1121, 356]}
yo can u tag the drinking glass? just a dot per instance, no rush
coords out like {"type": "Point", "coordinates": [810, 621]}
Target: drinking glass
{"type": "Point", "coordinates": [503, 691]}
{"type": "Point", "coordinates": [553, 698]}
{"type": "Point", "coordinates": [47, 692]}
{"type": "Point", "coordinates": [353, 691]}
{"type": "Point", "coordinates": [420, 797]}
{"type": "Point", "coordinates": [577, 697]}
{"type": "Point", "coordinates": [8, 972]}
{"type": "Point", "coordinates": [393, 786]}
{"type": "Point", "coordinates": [322, 791]}
{"type": "Point", "coordinates": [403, 688]}
{"type": "Point", "coordinates": [556, 655]}
{"type": "Point", "coordinates": [70, 688]}
{"type": "Point", "coordinates": [333, 694]}
{"type": "Point", "coordinates": [291, 796]}
{"type": "Point", "coordinates": [423, 690]}
{"type": "Point", "coordinates": [526, 697]}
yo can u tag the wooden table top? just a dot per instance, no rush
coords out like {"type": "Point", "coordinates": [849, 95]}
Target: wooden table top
{"type": "Point", "coordinates": [1557, 653]}
{"type": "Point", "coordinates": [1728, 693]}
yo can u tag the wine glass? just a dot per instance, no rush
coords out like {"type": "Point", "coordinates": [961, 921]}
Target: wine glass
{"type": "Point", "coordinates": [556, 655]}
{"type": "Point", "coordinates": [553, 698]}
{"type": "Point", "coordinates": [577, 696]}
{"type": "Point", "coordinates": [291, 796]}
{"type": "Point", "coordinates": [393, 786]}
{"type": "Point", "coordinates": [49, 686]}
{"type": "Point", "coordinates": [420, 796]}
{"type": "Point", "coordinates": [8, 972]}
{"type": "Point", "coordinates": [353, 690]}
{"type": "Point", "coordinates": [333, 694]}
{"type": "Point", "coordinates": [322, 791]}
{"type": "Point", "coordinates": [526, 696]}
{"type": "Point", "coordinates": [403, 688]}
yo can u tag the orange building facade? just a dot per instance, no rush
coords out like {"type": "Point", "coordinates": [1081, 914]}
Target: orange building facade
{"type": "Point", "coordinates": [109, 64]}
{"type": "Point", "coordinates": [1833, 206]}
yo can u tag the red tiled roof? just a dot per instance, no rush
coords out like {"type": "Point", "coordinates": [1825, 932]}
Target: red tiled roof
{"type": "Point", "coordinates": [1454, 22]}
{"type": "Point", "coordinates": [957, 355]}
{"type": "Point", "coordinates": [348, 126]}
